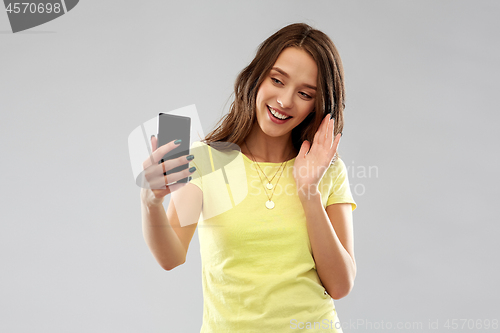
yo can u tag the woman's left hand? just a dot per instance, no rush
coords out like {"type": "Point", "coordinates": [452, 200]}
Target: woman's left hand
{"type": "Point", "coordinates": [312, 161]}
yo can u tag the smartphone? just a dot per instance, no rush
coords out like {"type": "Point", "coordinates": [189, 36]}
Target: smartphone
{"type": "Point", "coordinates": [170, 128]}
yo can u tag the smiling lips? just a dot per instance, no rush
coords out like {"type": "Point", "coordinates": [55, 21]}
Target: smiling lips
{"type": "Point", "coordinates": [278, 114]}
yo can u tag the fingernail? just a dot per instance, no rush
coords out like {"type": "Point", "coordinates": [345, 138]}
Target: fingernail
{"type": "Point", "coordinates": [152, 136]}
{"type": "Point", "coordinates": [177, 141]}
{"type": "Point", "coordinates": [189, 157]}
{"type": "Point", "coordinates": [192, 169]}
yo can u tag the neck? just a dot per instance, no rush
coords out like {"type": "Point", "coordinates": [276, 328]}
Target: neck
{"type": "Point", "coordinates": [264, 148]}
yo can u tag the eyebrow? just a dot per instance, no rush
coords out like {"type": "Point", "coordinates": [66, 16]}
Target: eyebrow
{"type": "Point", "coordinates": [282, 72]}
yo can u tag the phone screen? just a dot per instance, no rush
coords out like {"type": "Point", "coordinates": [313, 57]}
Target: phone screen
{"type": "Point", "coordinates": [170, 128]}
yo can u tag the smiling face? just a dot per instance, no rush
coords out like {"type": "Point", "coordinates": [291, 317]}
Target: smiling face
{"type": "Point", "coordinates": [288, 91]}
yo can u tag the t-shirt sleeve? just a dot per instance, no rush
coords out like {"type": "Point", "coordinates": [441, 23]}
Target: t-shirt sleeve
{"type": "Point", "coordinates": [339, 191]}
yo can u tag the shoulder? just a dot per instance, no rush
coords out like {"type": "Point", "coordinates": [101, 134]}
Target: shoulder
{"type": "Point", "coordinates": [214, 155]}
{"type": "Point", "coordinates": [199, 146]}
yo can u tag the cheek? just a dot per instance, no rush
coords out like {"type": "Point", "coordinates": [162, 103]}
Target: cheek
{"type": "Point", "coordinates": [308, 115]}
{"type": "Point", "coordinates": [260, 95]}
{"type": "Point", "coordinates": [307, 108]}
{"type": "Point", "coordinates": [265, 90]}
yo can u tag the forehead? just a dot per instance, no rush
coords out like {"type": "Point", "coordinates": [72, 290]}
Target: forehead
{"type": "Point", "coordinates": [298, 64]}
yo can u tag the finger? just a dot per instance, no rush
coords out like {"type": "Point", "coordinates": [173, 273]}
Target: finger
{"type": "Point", "coordinates": [323, 128]}
{"type": "Point", "coordinates": [155, 173]}
{"type": "Point", "coordinates": [176, 176]}
{"type": "Point", "coordinates": [163, 167]}
{"type": "Point", "coordinates": [337, 140]}
{"type": "Point", "coordinates": [317, 136]}
{"type": "Point", "coordinates": [336, 143]}
{"type": "Point", "coordinates": [154, 143]}
{"type": "Point", "coordinates": [176, 186]}
{"type": "Point", "coordinates": [155, 177]}
{"type": "Point", "coordinates": [329, 133]}
{"type": "Point", "coordinates": [174, 163]}
{"type": "Point", "coordinates": [163, 150]}
{"type": "Point", "coordinates": [304, 148]}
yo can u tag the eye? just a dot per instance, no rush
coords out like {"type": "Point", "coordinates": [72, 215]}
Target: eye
{"type": "Point", "coordinates": [305, 95]}
{"type": "Point", "coordinates": [276, 81]}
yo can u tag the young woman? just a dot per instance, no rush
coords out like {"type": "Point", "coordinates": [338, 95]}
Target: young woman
{"type": "Point", "coordinates": [274, 260]}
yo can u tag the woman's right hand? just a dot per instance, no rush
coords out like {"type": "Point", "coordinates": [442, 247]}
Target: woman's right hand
{"type": "Point", "coordinates": [155, 173]}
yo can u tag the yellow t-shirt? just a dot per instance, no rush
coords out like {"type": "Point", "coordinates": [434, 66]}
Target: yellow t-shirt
{"type": "Point", "coordinates": [258, 273]}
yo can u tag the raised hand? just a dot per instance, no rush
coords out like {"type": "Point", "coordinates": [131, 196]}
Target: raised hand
{"type": "Point", "coordinates": [312, 161]}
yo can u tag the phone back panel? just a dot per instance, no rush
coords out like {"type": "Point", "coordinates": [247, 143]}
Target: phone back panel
{"type": "Point", "coordinates": [170, 128]}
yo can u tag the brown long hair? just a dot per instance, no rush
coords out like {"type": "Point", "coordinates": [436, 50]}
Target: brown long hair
{"type": "Point", "coordinates": [237, 124]}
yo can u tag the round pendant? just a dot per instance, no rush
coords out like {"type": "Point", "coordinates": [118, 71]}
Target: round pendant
{"type": "Point", "coordinates": [269, 204]}
{"type": "Point", "coordinates": [269, 186]}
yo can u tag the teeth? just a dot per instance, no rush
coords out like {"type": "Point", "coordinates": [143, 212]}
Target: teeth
{"type": "Point", "coordinates": [277, 115]}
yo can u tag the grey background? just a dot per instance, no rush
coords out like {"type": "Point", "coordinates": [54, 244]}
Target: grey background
{"type": "Point", "coordinates": [422, 78]}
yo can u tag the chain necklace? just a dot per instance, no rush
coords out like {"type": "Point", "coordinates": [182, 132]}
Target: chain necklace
{"type": "Point", "coordinates": [269, 186]}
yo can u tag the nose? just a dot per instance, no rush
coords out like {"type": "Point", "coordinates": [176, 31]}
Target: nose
{"type": "Point", "coordinates": [285, 100]}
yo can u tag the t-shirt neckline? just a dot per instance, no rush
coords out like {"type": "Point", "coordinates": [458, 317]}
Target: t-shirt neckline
{"type": "Point", "coordinates": [273, 163]}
